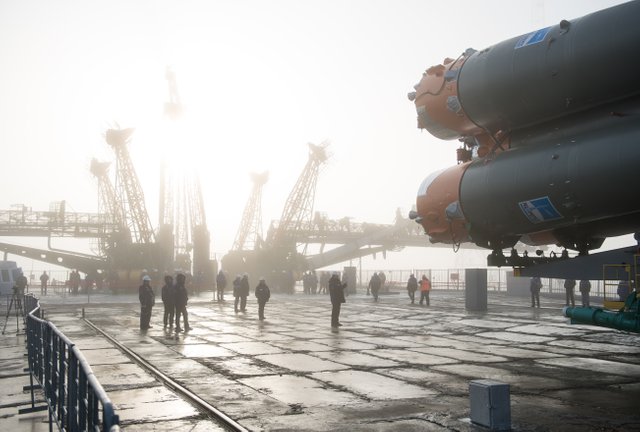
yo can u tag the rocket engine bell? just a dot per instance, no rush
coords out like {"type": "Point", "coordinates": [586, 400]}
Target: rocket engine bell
{"type": "Point", "coordinates": [554, 116]}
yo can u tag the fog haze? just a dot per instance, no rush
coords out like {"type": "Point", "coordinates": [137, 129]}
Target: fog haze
{"type": "Point", "coordinates": [258, 79]}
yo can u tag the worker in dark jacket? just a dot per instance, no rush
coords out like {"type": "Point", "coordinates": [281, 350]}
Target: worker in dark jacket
{"type": "Point", "coordinates": [336, 292]}
{"type": "Point", "coordinates": [374, 284]}
{"type": "Point", "coordinates": [221, 284]}
{"type": "Point", "coordinates": [569, 285]}
{"type": "Point", "coordinates": [535, 285]}
{"type": "Point", "coordinates": [585, 287]}
{"type": "Point", "coordinates": [181, 302]}
{"type": "Point", "coordinates": [245, 289]}
{"type": "Point", "coordinates": [236, 292]}
{"type": "Point", "coordinates": [412, 287]}
{"type": "Point", "coordinates": [147, 300]}
{"type": "Point", "coordinates": [263, 294]}
{"type": "Point", "coordinates": [169, 301]}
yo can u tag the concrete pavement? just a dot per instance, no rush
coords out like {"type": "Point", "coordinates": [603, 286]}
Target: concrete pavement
{"type": "Point", "coordinates": [392, 366]}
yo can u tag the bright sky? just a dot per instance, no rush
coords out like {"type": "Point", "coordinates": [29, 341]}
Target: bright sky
{"type": "Point", "coordinates": [259, 80]}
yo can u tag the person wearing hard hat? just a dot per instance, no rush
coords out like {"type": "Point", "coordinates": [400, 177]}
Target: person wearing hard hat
{"type": "Point", "coordinates": [147, 300]}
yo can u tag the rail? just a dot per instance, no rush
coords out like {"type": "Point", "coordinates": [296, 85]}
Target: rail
{"type": "Point", "coordinates": [226, 422]}
{"type": "Point", "coordinates": [76, 400]}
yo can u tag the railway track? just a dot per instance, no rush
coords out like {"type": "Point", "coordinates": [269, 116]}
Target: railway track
{"type": "Point", "coordinates": [221, 418]}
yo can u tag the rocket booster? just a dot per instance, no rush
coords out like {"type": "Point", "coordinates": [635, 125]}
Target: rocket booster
{"type": "Point", "coordinates": [552, 119]}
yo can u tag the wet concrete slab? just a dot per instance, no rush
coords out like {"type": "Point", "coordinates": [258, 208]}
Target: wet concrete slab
{"type": "Point", "coordinates": [157, 349]}
{"type": "Point", "coordinates": [10, 420]}
{"type": "Point", "coordinates": [388, 342]}
{"type": "Point", "coordinates": [202, 350]}
{"type": "Point", "coordinates": [344, 344]}
{"type": "Point", "coordinates": [301, 345]}
{"type": "Point", "coordinates": [410, 357]}
{"type": "Point", "coordinates": [151, 404]}
{"type": "Point", "coordinates": [171, 338]}
{"type": "Point", "coordinates": [300, 362]}
{"type": "Point", "coordinates": [122, 375]}
{"type": "Point", "coordinates": [404, 323]}
{"type": "Point", "coordinates": [485, 324]}
{"type": "Point", "coordinates": [624, 358]}
{"type": "Point", "coordinates": [546, 330]}
{"type": "Point", "coordinates": [104, 356]}
{"type": "Point", "coordinates": [225, 338]}
{"type": "Point", "coordinates": [440, 341]}
{"type": "Point", "coordinates": [190, 425]}
{"type": "Point", "coordinates": [241, 367]}
{"type": "Point", "coordinates": [517, 380]}
{"type": "Point", "coordinates": [595, 346]}
{"type": "Point", "coordinates": [356, 359]}
{"type": "Point", "coordinates": [13, 397]}
{"type": "Point", "coordinates": [266, 336]}
{"type": "Point", "coordinates": [462, 339]}
{"type": "Point", "coordinates": [11, 367]}
{"type": "Point", "coordinates": [461, 355]}
{"type": "Point", "coordinates": [441, 382]}
{"type": "Point", "coordinates": [554, 349]}
{"type": "Point", "coordinates": [91, 343]}
{"type": "Point", "coordinates": [184, 368]}
{"type": "Point", "coordinates": [512, 352]}
{"type": "Point", "coordinates": [13, 393]}
{"type": "Point", "coordinates": [516, 337]}
{"type": "Point", "coordinates": [597, 365]}
{"type": "Point", "coordinates": [252, 348]}
{"type": "Point", "coordinates": [241, 401]}
{"type": "Point", "coordinates": [293, 389]}
{"type": "Point", "coordinates": [372, 385]}
{"type": "Point", "coordinates": [13, 352]}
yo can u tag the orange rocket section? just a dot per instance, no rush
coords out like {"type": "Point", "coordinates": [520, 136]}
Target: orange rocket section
{"type": "Point", "coordinates": [438, 206]}
{"type": "Point", "coordinates": [437, 104]}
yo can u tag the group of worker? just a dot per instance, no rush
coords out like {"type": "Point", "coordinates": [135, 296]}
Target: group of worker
{"type": "Point", "coordinates": [241, 291]}
{"type": "Point", "coordinates": [375, 284]}
{"type": "Point", "coordinates": [569, 287]}
{"type": "Point", "coordinates": [174, 299]}
{"type": "Point", "coordinates": [584, 286]}
{"type": "Point", "coordinates": [425, 288]}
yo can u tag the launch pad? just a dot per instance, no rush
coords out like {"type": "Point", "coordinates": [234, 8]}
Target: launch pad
{"type": "Point", "coordinates": [392, 366]}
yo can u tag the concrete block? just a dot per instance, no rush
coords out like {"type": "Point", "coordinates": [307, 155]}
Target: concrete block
{"type": "Point", "coordinates": [476, 289]}
{"type": "Point", "coordinates": [490, 404]}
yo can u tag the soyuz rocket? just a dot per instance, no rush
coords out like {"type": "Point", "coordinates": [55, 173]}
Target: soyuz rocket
{"type": "Point", "coordinates": [549, 123]}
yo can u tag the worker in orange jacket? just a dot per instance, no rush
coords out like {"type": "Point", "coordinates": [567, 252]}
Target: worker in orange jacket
{"type": "Point", "coordinates": [425, 287]}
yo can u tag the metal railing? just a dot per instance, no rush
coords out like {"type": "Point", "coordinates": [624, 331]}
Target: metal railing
{"type": "Point", "coordinates": [76, 400]}
{"type": "Point", "coordinates": [454, 279]}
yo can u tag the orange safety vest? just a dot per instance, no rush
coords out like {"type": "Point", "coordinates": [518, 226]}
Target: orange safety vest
{"type": "Point", "coordinates": [425, 285]}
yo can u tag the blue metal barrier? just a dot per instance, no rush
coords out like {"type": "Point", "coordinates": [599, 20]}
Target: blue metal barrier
{"type": "Point", "coordinates": [76, 400]}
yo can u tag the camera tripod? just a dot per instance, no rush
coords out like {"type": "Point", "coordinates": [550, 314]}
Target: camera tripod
{"type": "Point", "coordinates": [16, 304]}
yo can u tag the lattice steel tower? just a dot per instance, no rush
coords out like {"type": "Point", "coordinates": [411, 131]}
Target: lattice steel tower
{"type": "Point", "coordinates": [128, 189]}
{"type": "Point", "coordinates": [249, 235]}
{"type": "Point", "coordinates": [298, 210]}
